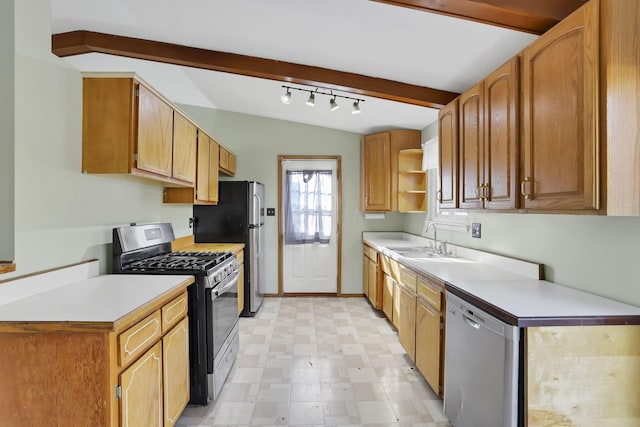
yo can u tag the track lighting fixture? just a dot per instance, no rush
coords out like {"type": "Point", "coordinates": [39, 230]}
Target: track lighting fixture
{"type": "Point", "coordinates": [286, 98]}
{"type": "Point", "coordinates": [356, 107]}
{"type": "Point", "coordinates": [333, 104]}
{"type": "Point", "coordinates": [311, 101]}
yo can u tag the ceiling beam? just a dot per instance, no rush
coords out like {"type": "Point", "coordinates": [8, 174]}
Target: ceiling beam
{"type": "Point", "coordinates": [81, 42]}
{"type": "Point", "coordinates": [530, 16]}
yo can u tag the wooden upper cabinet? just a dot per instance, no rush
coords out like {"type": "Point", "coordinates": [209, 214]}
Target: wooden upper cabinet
{"type": "Point", "coordinates": [227, 162]}
{"type": "Point", "coordinates": [489, 141]}
{"type": "Point", "coordinates": [185, 135]}
{"type": "Point", "coordinates": [620, 77]}
{"type": "Point", "coordinates": [375, 172]}
{"type": "Point", "coordinates": [448, 153]}
{"type": "Point", "coordinates": [155, 133]}
{"type": "Point", "coordinates": [379, 155]}
{"type": "Point", "coordinates": [560, 115]}
{"type": "Point", "coordinates": [205, 191]}
{"type": "Point", "coordinates": [128, 128]}
{"type": "Point", "coordinates": [471, 146]}
{"type": "Point", "coordinates": [212, 185]}
{"type": "Point", "coordinates": [501, 136]}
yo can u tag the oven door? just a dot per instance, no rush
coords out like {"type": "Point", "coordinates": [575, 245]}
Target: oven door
{"type": "Point", "coordinates": [222, 316]}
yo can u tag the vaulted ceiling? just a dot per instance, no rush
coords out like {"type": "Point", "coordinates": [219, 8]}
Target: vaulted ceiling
{"type": "Point", "coordinates": [404, 62]}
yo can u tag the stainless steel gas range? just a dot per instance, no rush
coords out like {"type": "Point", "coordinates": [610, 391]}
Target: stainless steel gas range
{"type": "Point", "coordinates": [213, 299]}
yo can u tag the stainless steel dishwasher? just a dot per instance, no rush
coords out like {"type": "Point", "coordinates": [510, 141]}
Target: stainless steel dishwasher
{"type": "Point", "coordinates": [481, 368]}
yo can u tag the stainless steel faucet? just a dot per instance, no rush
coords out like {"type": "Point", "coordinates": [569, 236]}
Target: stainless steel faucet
{"type": "Point", "coordinates": [435, 235]}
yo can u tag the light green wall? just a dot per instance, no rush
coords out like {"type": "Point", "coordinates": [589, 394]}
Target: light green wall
{"type": "Point", "coordinates": [258, 141]}
{"type": "Point", "coordinates": [7, 114]}
{"type": "Point", "coordinates": [592, 253]}
{"type": "Point", "coordinates": [63, 216]}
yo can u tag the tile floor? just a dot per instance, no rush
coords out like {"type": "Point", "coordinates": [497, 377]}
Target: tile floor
{"type": "Point", "coordinates": [319, 362]}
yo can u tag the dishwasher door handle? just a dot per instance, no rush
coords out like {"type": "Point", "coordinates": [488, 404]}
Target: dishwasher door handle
{"type": "Point", "coordinates": [472, 323]}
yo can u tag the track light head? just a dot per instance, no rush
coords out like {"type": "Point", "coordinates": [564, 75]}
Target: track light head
{"type": "Point", "coordinates": [286, 98]}
{"type": "Point", "coordinates": [312, 100]}
{"type": "Point", "coordinates": [333, 104]}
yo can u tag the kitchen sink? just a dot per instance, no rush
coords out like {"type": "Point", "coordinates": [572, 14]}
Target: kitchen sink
{"type": "Point", "coordinates": [416, 252]}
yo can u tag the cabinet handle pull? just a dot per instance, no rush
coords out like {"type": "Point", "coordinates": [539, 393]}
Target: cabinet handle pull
{"type": "Point", "coordinates": [439, 196]}
{"type": "Point", "coordinates": [485, 191]}
{"type": "Point", "coordinates": [480, 191]}
{"type": "Point", "coordinates": [526, 195]}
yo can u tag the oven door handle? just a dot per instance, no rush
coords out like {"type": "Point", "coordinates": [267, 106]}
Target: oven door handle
{"type": "Point", "coordinates": [217, 292]}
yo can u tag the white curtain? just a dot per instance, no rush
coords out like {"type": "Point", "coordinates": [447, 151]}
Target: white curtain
{"type": "Point", "coordinates": [307, 203]}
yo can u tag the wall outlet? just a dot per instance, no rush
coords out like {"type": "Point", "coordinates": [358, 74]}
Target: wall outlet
{"type": "Point", "coordinates": [475, 230]}
{"type": "Point", "coordinates": [271, 211]}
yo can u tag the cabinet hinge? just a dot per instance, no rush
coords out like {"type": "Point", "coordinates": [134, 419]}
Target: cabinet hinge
{"type": "Point", "coordinates": [441, 326]}
{"type": "Point", "coordinates": [137, 91]}
{"type": "Point", "coordinates": [135, 157]}
{"type": "Point", "coordinates": [440, 389]}
{"type": "Point", "coordinates": [118, 392]}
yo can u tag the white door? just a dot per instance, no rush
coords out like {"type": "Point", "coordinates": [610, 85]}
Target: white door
{"type": "Point", "coordinates": [310, 267]}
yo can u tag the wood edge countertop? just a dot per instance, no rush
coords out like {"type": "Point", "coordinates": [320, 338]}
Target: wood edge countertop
{"type": "Point", "coordinates": [77, 298]}
{"type": "Point", "coordinates": [187, 243]}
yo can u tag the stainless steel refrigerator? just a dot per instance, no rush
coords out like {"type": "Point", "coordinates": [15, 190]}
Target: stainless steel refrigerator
{"type": "Point", "coordinates": [238, 218]}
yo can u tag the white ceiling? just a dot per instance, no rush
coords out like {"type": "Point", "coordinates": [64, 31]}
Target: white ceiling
{"type": "Point", "coordinates": [357, 36]}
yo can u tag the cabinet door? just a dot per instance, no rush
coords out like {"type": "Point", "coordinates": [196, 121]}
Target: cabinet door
{"type": "Point", "coordinates": [365, 275]}
{"type": "Point", "coordinates": [407, 323]}
{"type": "Point", "coordinates": [202, 181]}
{"type": "Point", "coordinates": [448, 152]}
{"type": "Point", "coordinates": [155, 133]}
{"type": "Point", "coordinates": [224, 159]}
{"type": "Point", "coordinates": [387, 296]}
{"type": "Point", "coordinates": [141, 384]}
{"type": "Point", "coordinates": [560, 101]}
{"type": "Point", "coordinates": [213, 171]}
{"type": "Point", "coordinates": [428, 340]}
{"type": "Point", "coordinates": [373, 283]}
{"type": "Point", "coordinates": [232, 164]}
{"type": "Point", "coordinates": [375, 172]}
{"type": "Point", "coordinates": [501, 140]}
{"type": "Point", "coordinates": [397, 308]}
{"type": "Point", "coordinates": [471, 146]}
{"type": "Point", "coordinates": [175, 360]}
{"type": "Point", "coordinates": [185, 136]}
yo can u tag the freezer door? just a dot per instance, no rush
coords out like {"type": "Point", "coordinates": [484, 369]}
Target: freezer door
{"type": "Point", "coordinates": [256, 204]}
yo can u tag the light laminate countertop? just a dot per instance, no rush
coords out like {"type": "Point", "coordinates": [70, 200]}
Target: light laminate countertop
{"type": "Point", "coordinates": [102, 299]}
{"type": "Point", "coordinates": [507, 288]}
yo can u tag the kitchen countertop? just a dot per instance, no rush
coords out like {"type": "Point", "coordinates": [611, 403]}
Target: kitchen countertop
{"type": "Point", "coordinates": [187, 243]}
{"type": "Point", "coordinates": [509, 289]}
{"type": "Point", "coordinates": [100, 301]}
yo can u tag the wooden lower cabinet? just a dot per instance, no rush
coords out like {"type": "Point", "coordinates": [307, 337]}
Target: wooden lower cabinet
{"type": "Point", "coordinates": [428, 344]}
{"type": "Point", "coordinates": [407, 321]}
{"type": "Point", "coordinates": [371, 283]}
{"type": "Point", "coordinates": [240, 256]}
{"type": "Point", "coordinates": [127, 374]}
{"type": "Point", "coordinates": [388, 285]}
{"type": "Point", "coordinates": [175, 372]}
{"type": "Point", "coordinates": [141, 396]}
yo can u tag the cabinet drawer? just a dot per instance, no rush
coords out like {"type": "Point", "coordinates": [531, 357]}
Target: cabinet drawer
{"type": "Point", "coordinates": [135, 340]}
{"type": "Point", "coordinates": [391, 267]}
{"type": "Point", "coordinates": [371, 253]}
{"type": "Point", "coordinates": [174, 311]}
{"type": "Point", "coordinates": [408, 278]}
{"type": "Point", "coordinates": [430, 293]}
